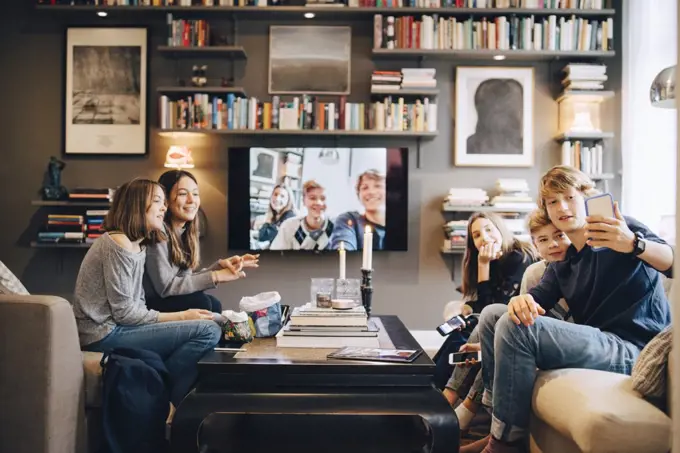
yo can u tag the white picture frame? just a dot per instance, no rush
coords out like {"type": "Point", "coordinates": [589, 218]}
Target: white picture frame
{"type": "Point", "coordinates": [264, 165]}
{"type": "Point", "coordinates": [494, 117]}
{"type": "Point", "coordinates": [106, 91]}
{"type": "Point", "coordinates": [310, 60]}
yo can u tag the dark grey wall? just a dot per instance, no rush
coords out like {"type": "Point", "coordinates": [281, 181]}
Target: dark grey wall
{"type": "Point", "coordinates": [414, 285]}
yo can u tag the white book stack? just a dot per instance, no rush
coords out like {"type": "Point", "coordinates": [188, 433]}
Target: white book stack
{"type": "Point", "coordinates": [512, 194]}
{"type": "Point", "coordinates": [313, 327]}
{"type": "Point", "coordinates": [464, 197]}
{"type": "Point", "coordinates": [582, 76]}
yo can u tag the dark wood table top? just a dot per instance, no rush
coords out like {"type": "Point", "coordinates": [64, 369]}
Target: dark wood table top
{"type": "Point", "coordinates": [264, 353]}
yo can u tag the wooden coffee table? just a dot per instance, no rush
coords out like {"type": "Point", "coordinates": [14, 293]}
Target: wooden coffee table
{"type": "Point", "coordinates": [272, 399]}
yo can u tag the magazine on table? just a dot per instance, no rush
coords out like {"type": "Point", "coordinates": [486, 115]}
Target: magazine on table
{"type": "Point", "coordinates": [376, 354]}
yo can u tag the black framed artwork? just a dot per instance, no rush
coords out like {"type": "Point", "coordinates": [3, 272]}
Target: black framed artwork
{"type": "Point", "coordinates": [106, 91]}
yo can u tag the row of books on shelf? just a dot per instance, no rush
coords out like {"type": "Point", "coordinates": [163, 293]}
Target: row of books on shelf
{"type": "Point", "coordinates": [72, 228]}
{"type": "Point", "coordinates": [588, 159]}
{"type": "Point", "coordinates": [406, 79]}
{"type": "Point", "coordinates": [205, 112]}
{"type": "Point", "coordinates": [91, 194]}
{"type": "Point", "coordinates": [532, 4]}
{"type": "Point", "coordinates": [502, 33]}
{"type": "Point", "coordinates": [188, 33]}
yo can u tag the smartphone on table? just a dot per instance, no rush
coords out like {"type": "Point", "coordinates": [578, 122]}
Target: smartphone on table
{"type": "Point", "coordinates": [602, 205]}
{"type": "Point", "coordinates": [460, 357]}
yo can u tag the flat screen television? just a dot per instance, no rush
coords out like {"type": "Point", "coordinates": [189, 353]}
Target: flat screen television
{"type": "Point", "coordinates": [315, 199]}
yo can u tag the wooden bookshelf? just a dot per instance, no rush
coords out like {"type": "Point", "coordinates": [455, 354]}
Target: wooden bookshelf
{"type": "Point", "coordinates": [60, 245]}
{"type": "Point", "coordinates": [486, 54]}
{"type": "Point", "coordinates": [584, 136]}
{"type": "Point", "coordinates": [485, 208]}
{"type": "Point", "coordinates": [207, 89]}
{"type": "Point", "coordinates": [408, 92]}
{"type": "Point", "coordinates": [327, 12]}
{"type": "Point", "coordinates": [309, 132]}
{"type": "Point", "coordinates": [68, 203]}
{"type": "Point", "coordinates": [204, 51]}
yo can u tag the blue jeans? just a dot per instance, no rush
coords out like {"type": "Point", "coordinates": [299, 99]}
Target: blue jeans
{"type": "Point", "coordinates": [180, 344]}
{"type": "Point", "coordinates": [512, 356]}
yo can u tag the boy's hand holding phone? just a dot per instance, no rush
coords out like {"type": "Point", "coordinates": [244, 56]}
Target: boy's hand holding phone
{"type": "Point", "coordinates": [610, 232]}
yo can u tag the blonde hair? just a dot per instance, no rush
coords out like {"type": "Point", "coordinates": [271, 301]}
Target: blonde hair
{"type": "Point", "coordinates": [127, 213]}
{"type": "Point", "coordinates": [561, 178]}
{"type": "Point", "coordinates": [310, 185]}
{"type": "Point", "coordinates": [510, 244]}
{"type": "Point", "coordinates": [373, 174]}
{"type": "Point", "coordinates": [537, 220]}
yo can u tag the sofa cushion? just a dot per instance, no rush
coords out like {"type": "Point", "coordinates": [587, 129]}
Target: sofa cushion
{"type": "Point", "coordinates": [93, 379]}
{"type": "Point", "coordinates": [600, 412]}
{"type": "Point", "coordinates": [650, 370]}
{"type": "Point", "coordinates": [10, 284]}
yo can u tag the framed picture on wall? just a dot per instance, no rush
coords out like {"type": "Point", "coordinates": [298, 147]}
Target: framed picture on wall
{"type": "Point", "coordinates": [494, 117]}
{"type": "Point", "coordinates": [264, 165]}
{"type": "Point", "coordinates": [106, 91]}
{"type": "Point", "coordinates": [310, 60]}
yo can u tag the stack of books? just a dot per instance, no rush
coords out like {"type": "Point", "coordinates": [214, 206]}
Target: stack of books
{"type": "Point", "coordinates": [513, 194]}
{"type": "Point", "coordinates": [313, 327]}
{"type": "Point", "coordinates": [94, 223]}
{"type": "Point", "coordinates": [465, 197]}
{"type": "Point", "coordinates": [62, 228]}
{"type": "Point", "coordinates": [456, 234]}
{"type": "Point", "coordinates": [418, 78]}
{"type": "Point", "coordinates": [584, 76]}
{"type": "Point", "coordinates": [385, 81]}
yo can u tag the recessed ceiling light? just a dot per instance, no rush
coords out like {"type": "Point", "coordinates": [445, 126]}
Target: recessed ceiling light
{"type": "Point", "coordinates": [102, 13]}
{"type": "Point", "coordinates": [499, 57]}
{"type": "Point", "coordinates": [309, 15]}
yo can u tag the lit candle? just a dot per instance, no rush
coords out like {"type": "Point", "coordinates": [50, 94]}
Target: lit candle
{"type": "Point", "coordinates": [367, 262]}
{"type": "Point", "coordinates": [342, 253]}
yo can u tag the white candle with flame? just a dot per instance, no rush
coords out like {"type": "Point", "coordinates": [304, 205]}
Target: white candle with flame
{"type": "Point", "coordinates": [342, 253]}
{"type": "Point", "coordinates": [367, 262]}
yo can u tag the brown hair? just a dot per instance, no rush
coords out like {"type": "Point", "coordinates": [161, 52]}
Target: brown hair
{"type": "Point", "coordinates": [561, 178]}
{"type": "Point", "coordinates": [272, 216]}
{"type": "Point", "coordinates": [369, 174]}
{"type": "Point", "coordinates": [537, 220]}
{"type": "Point", "coordinates": [127, 213]}
{"type": "Point", "coordinates": [184, 249]}
{"type": "Point", "coordinates": [509, 244]}
{"type": "Point", "coordinates": [309, 186]}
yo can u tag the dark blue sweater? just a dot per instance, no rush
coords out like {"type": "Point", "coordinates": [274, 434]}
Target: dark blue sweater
{"type": "Point", "coordinates": [614, 292]}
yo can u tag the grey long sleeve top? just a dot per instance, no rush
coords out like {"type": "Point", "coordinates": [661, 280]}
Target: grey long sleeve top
{"type": "Point", "coordinates": [163, 279]}
{"type": "Point", "coordinates": [109, 291]}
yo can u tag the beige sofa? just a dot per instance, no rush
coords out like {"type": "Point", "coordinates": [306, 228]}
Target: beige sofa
{"type": "Point", "coordinates": [50, 390]}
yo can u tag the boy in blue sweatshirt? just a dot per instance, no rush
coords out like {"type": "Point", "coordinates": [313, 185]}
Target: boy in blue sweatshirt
{"type": "Point", "coordinates": [615, 295]}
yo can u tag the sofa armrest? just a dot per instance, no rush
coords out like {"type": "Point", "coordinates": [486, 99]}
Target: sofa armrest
{"type": "Point", "coordinates": [41, 377]}
{"type": "Point", "coordinates": [600, 412]}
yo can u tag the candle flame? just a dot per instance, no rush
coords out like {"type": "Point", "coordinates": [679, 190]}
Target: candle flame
{"type": "Point", "coordinates": [367, 229]}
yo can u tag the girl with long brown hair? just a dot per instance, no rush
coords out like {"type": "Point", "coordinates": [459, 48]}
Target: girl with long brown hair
{"type": "Point", "coordinates": [172, 281]}
{"type": "Point", "coordinates": [493, 266]}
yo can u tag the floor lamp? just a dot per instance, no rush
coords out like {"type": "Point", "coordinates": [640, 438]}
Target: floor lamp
{"type": "Point", "coordinates": [662, 94]}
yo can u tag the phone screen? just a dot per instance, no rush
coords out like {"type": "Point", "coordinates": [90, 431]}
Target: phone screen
{"type": "Point", "coordinates": [461, 357]}
{"type": "Point", "coordinates": [452, 324]}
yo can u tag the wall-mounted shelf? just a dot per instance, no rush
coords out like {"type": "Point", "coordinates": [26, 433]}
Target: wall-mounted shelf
{"type": "Point", "coordinates": [584, 136]}
{"type": "Point", "coordinates": [207, 89]}
{"type": "Point", "coordinates": [458, 250]}
{"type": "Point", "coordinates": [196, 51]}
{"type": "Point", "coordinates": [586, 95]}
{"type": "Point", "coordinates": [84, 204]}
{"type": "Point", "coordinates": [602, 177]}
{"type": "Point", "coordinates": [485, 54]}
{"type": "Point", "coordinates": [446, 208]}
{"type": "Point", "coordinates": [327, 12]}
{"type": "Point", "coordinates": [61, 245]}
{"type": "Point", "coordinates": [408, 92]}
{"type": "Point", "coordinates": [307, 132]}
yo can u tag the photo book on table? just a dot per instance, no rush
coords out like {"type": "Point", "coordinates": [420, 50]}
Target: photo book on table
{"type": "Point", "coordinates": [376, 354]}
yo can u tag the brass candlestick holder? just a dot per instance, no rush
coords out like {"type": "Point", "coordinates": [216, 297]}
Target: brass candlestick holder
{"type": "Point", "coordinates": [367, 289]}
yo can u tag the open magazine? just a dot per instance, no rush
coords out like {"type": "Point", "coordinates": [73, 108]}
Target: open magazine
{"type": "Point", "coordinates": [376, 354]}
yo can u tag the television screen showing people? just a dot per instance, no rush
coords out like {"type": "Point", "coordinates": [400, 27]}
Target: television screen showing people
{"type": "Point", "coordinates": [317, 198]}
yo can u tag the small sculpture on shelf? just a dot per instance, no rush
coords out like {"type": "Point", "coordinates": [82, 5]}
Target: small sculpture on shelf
{"type": "Point", "coordinates": [52, 189]}
{"type": "Point", "coordinates": [198, 75]}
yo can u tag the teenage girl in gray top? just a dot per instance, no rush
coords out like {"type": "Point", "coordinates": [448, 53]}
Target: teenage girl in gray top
{"type": "Point", "coordinates": [171, 280]}
{"type": "Point", "coordinates": [109, 300]}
